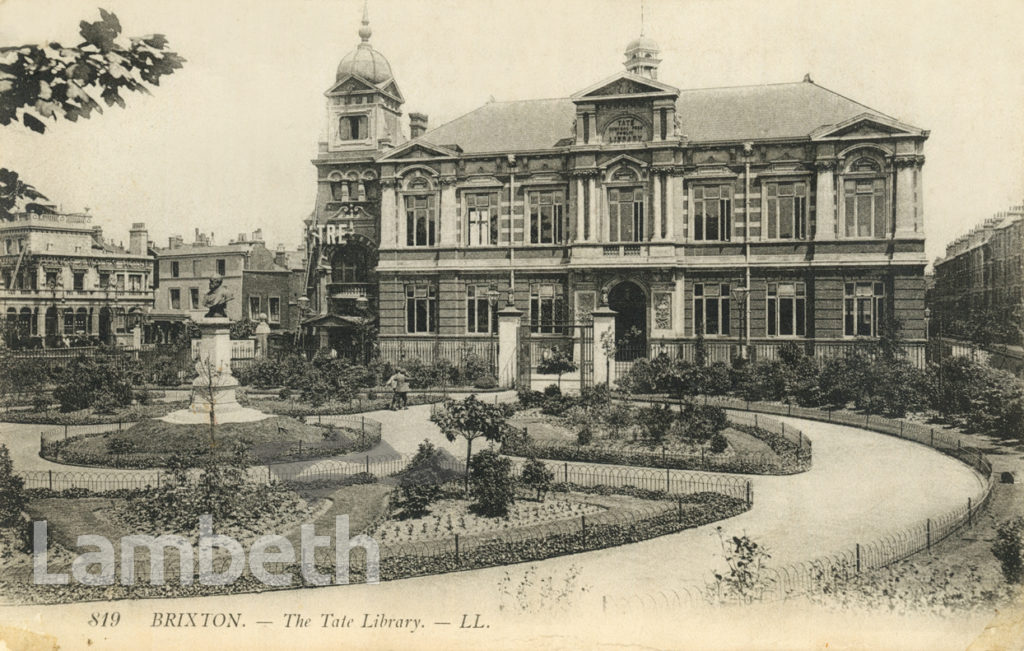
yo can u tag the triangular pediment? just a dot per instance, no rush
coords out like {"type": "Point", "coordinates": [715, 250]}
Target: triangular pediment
{"type": "Point", "coordinates": [417, 149]}
{"type": "Point", "coordinates": [351, 84]}
{"type": "Point", "coordinates": [867, 125]}
{"type": "Point", "coordinates": [625, 84]}
{"type": "Point", "coordinates": [391, 88]}
{"type": "Point", "coordinates": [624, 159]}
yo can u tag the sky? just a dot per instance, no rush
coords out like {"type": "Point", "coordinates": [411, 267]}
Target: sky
{"type": "Point", "coordinates": [225, 143]}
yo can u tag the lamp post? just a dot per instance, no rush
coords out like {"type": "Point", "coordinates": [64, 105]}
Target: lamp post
{"type": "Point", "coordinates": [492, 303]}
{"type": "Point", "coordinates": [303, 304]}
{"type": "Point", "coordinates": [742, 293]}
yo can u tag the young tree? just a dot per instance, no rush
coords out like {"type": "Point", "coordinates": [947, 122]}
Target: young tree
{"type": "Point", "coordinates": [557, 363]}
{"type": "Point", "coordinates": [45, 82]}
{"type": "Point", "coordinates": [471, 419]}
{"type": "Point", "coordinates": [12, 491]}
{"type": "Point", "coordinates": [537, 476]}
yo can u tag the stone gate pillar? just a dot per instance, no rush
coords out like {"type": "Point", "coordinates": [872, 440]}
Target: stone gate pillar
{"type": "Point", "coordinates": [604, 332]}
{"type": "Point", "coordinates": [508, 345]}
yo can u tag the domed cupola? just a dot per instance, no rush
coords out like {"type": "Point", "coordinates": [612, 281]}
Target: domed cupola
{"type": "Point", "coordinates": [365, 61]}
{"type": "Point", "coordinates": [642, 57]}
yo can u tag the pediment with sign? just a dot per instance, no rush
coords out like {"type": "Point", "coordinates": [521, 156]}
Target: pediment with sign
{"type": "Point", "coordinates": [625, 84]}
{"type": "Point", "coordinates": [418, 149]}
{"type": "Point", "coordinates": [351, 84]}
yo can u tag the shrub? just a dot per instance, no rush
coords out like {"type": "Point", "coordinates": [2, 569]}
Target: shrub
{"type": "Point", "coordinates": [1009, 549]}
{"type": "Point", "coordinates": [596, 396]}
{"type": "Point", "coordinates": [584, 435]}
{"type": "Point", "coordinates": [717, 380]}
{"type": "Point", "coordinates": [143, 396]}
{"type": "Point", "coordinates": [529, 398]}
{"type": "Point", "coordinates": [557, 363]}
{"type": "Point", "coordinates": [40, 402]}
{"type": "Point", "coordinates": [655, 422]}
{"type": "Point", "coordinates": [537, 476]}
{"type": "Point", "coordinates": [84, 380]}
{"type": "Point", "coordinates": [557, 405]}
{"type": "Point", "coordinates": [486, 382]}
{"type": "Point", "coordinates": [491, 483]}
{"type": "Point", "coordinates": [617, 417]}
{"type": "Point", "coordinates": [701, 423]}
{"type": "Point", "coordinates": [474, 368]}
{"type": "Point", "coordinates": [12, 491]}
{"type": "Point", "coordinates": [284, 393]}
{"type": "Point", "coordinates": [719, 444]}
{"type": "Point", "coordinates": [120, 445]}
{"type": "Point", "coordinates": [552, 391]}
{"type": "Point", "coordinates": [746, 580]}
{"type": "Point", "coordinates": [892, 388]}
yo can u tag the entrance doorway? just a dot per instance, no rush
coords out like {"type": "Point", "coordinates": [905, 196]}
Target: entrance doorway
{"type": "Point", "coordinates": [630, 305]}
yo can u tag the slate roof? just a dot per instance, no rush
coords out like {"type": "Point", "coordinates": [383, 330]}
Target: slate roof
{"type": "Point", "coordinates": [740, 113]}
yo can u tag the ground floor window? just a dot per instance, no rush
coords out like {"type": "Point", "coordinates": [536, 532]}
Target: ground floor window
{"type": "Point", "coordinates": [193, 298]}
{"type": "Point", "coordinates": [864, 309]}
{"type": "Point", "coordinates": [479, 313]}
{"type": "Point", "coordinates": [254, 307]}
{"type": "Point", "coordinates": [711, 308]}
{"type": "Point", "coordinates": [420, 308]}
{"type": "Point", "coordinates": [547, 306]}
{"type": "Point", "coordinates": [787, 309]}
{"type": "Point", "coordinates": [274, 309]}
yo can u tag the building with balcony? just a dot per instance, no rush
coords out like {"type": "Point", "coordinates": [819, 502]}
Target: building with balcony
{"type": "Point", "coordinates": [981, 276]}
{"type": "Point", "coordinates": [261, 281]}
{"type": "Point", "coordinates": [65, 284]}
{"type": "Point", "coordinates": [751, 216]}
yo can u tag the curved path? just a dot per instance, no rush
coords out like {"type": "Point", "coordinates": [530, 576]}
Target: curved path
{"type": "Point", "coordinates": [862, 486]}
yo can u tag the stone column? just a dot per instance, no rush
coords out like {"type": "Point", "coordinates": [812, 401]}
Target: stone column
{"type": "Point", "coordinates": [388, 215]}
{"type": "Point", "coordinates": [670, 214]}
{"type": "Point", "coordinates": [41, 322]}
{"type": "Point", "coordinates": [508, 345]}
{"type": "Point", "coordinates": [604, 331]}
{"type": "Point", "coordinates": [656, 213]}
{"type": "Point", "coordinates": [94, 320]}
{"type": "Point", "coordinates": [825, 204]}
{"type": "Point", "coordinates": [581, 229]}
{"type": "Point", "coordinates": [592, 210]}
{"type": "Point", "coordinates": [448, 216]}
{"type": "Point", "coordinates": [905, 197]}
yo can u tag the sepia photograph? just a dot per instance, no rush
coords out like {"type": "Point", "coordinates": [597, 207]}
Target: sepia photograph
{"type": "Point", "coordinates": [473, 324]}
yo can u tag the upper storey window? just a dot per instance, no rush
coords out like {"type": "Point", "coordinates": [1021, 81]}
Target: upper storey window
{"type": "Point", "coordinates": [712, 213]}
{"type": "Point", "coordinates": [546, 217]}
{"type": "Point", "coordinates": [786, 206]}
{"type": "Point", "coordinates": [420, 220]}
{"type": "Point", "coordinates": [482, 218]}
{"type": "Point", "coordinates": [625, 130]}
{"type": "Point", "coordinates": [865, 205]}
{"type": "Point", "coordinates": [625, 214]}
{"type": "Point", "coordinates": [352, 127]}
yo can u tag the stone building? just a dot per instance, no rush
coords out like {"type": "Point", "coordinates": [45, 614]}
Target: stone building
{"type": "Point", "coordinates": [65, 284]}
{"type": "Point", "coordinates": [260, 280]}
{"type": "Point", "coordinates": [982, 274]}
{"type": "Point", "coordinates": [750, 215]}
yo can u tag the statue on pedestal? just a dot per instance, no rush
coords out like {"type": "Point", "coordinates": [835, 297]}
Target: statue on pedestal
{"type": "Point", "coordinates": [216, 299]}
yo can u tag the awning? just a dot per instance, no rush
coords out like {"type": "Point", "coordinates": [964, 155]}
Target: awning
{"type": "Point", "coordinates": [336, 321]}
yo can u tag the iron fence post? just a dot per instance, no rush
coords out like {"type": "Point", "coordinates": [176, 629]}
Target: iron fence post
{"type": "Point", "coordinates": [269, 475]}
{"type": "Point", "coordinates": [748, 492]}
{"type": "Point", "coordinates": [65, 432]}
{"type": "Point", "coordinates": [41, 434]}
{"type": "Point", "coordinates": [901, 429]}
{"type": "Point", "coordinates": [583, 529]}
{"type": "Point", "coordinates": [50, 473]}
{"type": "Point", "coordinates": [858, 558]}
{"type": "Point", "coordinates": [565, 472]}
{"type": "Point", "coordinates": [456, 548]}
{"type": "Point", "coordinates": [679, 508]}
{"type": "Point", "coordinates": [668, 481]}
{"type": "Point", "coordinates": [928, 532]}
{"type": "Point", "coordinates": [932, 444]}
{"type": "Point", "coordinates": [970, 519]}
{"type": "Point", "coordinates": [367, 464]}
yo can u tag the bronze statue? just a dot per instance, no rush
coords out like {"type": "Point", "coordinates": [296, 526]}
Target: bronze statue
{"type": "Point", "coordinates": [216, 299]}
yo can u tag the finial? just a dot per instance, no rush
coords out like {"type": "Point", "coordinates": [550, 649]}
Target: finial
{"type": "Point", "coordinates": [365, 32]}
{"type": "Point", "coordinates": [641, 17]}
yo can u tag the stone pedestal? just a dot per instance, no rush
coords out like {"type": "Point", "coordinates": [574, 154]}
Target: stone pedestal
{"type": "Point", "coordinates": [604, 331]}
{"type": "Point", "coordinates": [213, 390]}
{"type": "Point", "coordinates": [508, 345]}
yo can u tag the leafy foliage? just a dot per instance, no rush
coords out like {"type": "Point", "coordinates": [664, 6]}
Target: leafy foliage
{"type": "Point", "coordinates": [12, 491]}
{"type": "Point", "coordinates": [48, 81]}
{"type": "Point", "coordinates": [491, 483]}
{"type": "Point", "coordinates": [471, 419]}
{"type": "Point", "coordinates": [419, 483]}
{"type": "Point", "coordinates": [745, 581]}
{"type": "Point", "coordinates": [92, 382]}
{"type": "Point", "coordinates": [1009, 549]}
{"type": "Point", "coordinates": [557, 363]}
{"type": "Point", "coordinates": [537, 476]}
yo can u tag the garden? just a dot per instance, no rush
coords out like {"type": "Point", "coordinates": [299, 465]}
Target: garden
{"type": "Point", "coordinates": [595, 427]}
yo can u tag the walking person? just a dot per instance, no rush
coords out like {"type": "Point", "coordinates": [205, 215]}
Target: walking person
{"type": "Point", "coordinates": [399, 383]}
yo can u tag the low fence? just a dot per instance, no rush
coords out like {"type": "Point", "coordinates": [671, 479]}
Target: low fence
{"type": "Point", "coordinates": [828, 571]}
{"type": "Point", "coordinates": [459, 352]}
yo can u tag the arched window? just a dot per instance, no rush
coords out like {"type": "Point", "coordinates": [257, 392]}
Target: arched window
{"type": "Point", "coordinates": [420, 212]}
{"type": "Point", "coordinates": [865, 206]}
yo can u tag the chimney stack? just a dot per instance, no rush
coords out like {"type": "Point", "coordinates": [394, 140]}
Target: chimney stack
{"type": "Point", "coordinates": [138, 237]}
{"type": "Point", "coordinates": [281, 256]}
{"type": "Point", "coordinates": [417, 124]}
{"type": "Point", "coordinates": [175, 242]}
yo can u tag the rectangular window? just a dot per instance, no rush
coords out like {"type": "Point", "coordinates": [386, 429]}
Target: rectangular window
{"type": "Point", "coordinates": [711, 309]}
{"type": "Point", "coordinates": [786, 211]}
{"type": "Point", "coordinates": [78, 278]}
{"type": "Point", "coordinates": [274, 309]}
{"type": "Point", "coordinates": [175, 299]}
{"type": "Point", "coordinates": [222, 267]}
{"type": "Point", "coordinates": [480, 317]}
{"type": "Point", "coordinates": [193, 298]}
{"type": "Point", "coordinates": [195, 268]}
{"type": "Point", "coordinates": [787, 309]}
{"type": "Point", "coordinates": [865, 212]}
{"type": "Point", "coordinates": [712, 213]}
{"type": "Point", "coordinates": [175, 269]}
{"type": "Point", "coordinates": [547, 309]}
{"type": "Point", "coordinates": [135, 282]}
{"type": "Point", "coordinates": [482, 219]}
{"type": "Point", "coordinates": [254, 307]}
{"type": "Point", "coordinates": [420, 220]}
{"type": "Point", "coordinates": [546, 217]}
{"type": "Point", "coordinates": [104, 279]}
{"type": "Point", "coordinates": [352, 127]}
{"type": "Point", "coordinates": [864, 307]}
{"type": "Point", "coordinates": [625, 214]}
{"type": "Point", "coordinates": [420, 308]}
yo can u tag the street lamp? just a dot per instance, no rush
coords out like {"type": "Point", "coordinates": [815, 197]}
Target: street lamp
{"type": "Point", "coordinates": [492, 302]}
{"type": "Point", "coordinates": [741, 293]}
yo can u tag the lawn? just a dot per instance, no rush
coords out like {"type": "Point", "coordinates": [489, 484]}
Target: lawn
{"type": "Point", "coordinates": [151, 442]}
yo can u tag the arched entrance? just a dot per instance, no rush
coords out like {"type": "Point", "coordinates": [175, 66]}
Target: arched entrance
{"type": "Point", "coordinates": [630, 304]}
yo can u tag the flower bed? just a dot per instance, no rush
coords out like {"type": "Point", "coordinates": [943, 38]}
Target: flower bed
{"type": "Point", "coordinates": [130, 414]}
{"type": "Point", "coordinates": [450, 516]}
{"type": "Point", "coordinates": [298, 409]}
